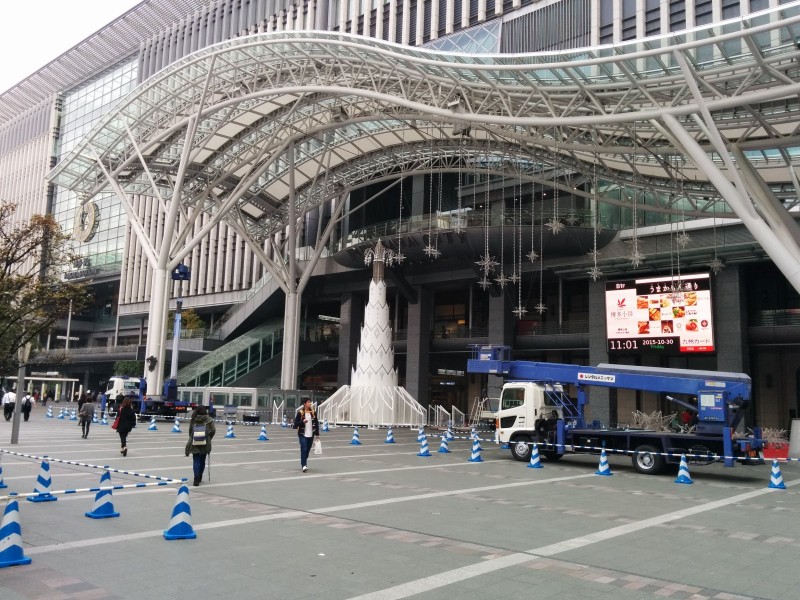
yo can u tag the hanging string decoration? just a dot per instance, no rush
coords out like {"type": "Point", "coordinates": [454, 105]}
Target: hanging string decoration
{"type": "Point", "coordinates": [554, 224]}
{"type": "Point", "coordinates": [487, 262]}
{"type": "Point", "coordinates": [540, 307]}
{"type": "Point", "coordinates": [459, 222]}
{"type": "Point", "coordinates": [430, 249]}
{"type": "Point", "coordinates": [533, 255]}
{"type": "Point", "coordinates": [502, 279]}
{"type": "Point", "coordinates": [595, 273]}
{"type": "Point", "coordinates": [636, 257]}
{"type": "Point", "coordinates": [717, 264]}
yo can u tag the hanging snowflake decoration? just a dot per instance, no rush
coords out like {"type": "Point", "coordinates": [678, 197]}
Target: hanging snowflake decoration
{"type": "Point", "coordinates": [487, 263]}
{"type": "Point", "coordinates": [595, 273]}
{"type": "Point", "coordinates": [533, 256]}
{"type": "Point", "coordinates": [555, 226]}
{"type": "Point", "coordinates": [431, 251]}
{"type": "Point", "coordinates": [636, 258]}
{"type": "Point", "coordinates": [572, 219]}
{"type": "Point", "coordinates": [716, 265]}
{"type": "Point", "coordinates": [484, 284]}
{"type": "Point", "coordinates": [683, 239]}
{"type": "Point", "coordinates": [399, 257]}
{"type": "Point", "coordinates": [540, 308]}
{"type": "Point", "coordinates": [514, 278]}
{"type": "Point", "coordinates": [520, 311]}
{"type": "Point", "coordinates": [501, 280]}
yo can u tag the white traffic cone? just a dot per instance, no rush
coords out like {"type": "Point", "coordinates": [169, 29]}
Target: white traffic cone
{"type": "Point", "coordinates": [476, 452]}
{"type": "Point", "coordinates": [603, 468]}
{"type": "Point", "coordinates": [180, 525]}
{"type": "Point", "coordinates": [423, 447]}
{"type": "Point", "coordinates": [11, 537]}
{"type": "Point", "coordinates": [62, 414]}
{"type": "Point", "coordinates": [449, 435]}
{"type": "Point", "coordinates": [73, 415]}
{"type": "Point", "coordinates": [43, 483]}
{"type": "Point", "coordinates": [152, 426]}
{"type": "Point", "coordinates": [420, 433]}
{"type": "Point", "coordinates": [683, 472]}
{"type": "Point", "coordinates": [443, 448]}
{"type": "Point", "coordinates": [229, 433]}
{"type": "Point", "coordinates": [535, 462]}
{"type": "Point", "coordinates": [103, 507]}
{"type": "Point", "coordinates": [176, 427]}
{"type": "Point", "coordinates": [49, 412]}
{"type": "Point", "coordinates": [94, 418]}
{"type": "Point", "coordinates": [355, 441]}
{"type": "Point", "coordinates": [776, 477]}
{"type": "Point", "coordinates": [389, 436]}
{"type": "Point", "coordinates": [104, 418]}
{"type": "Point", "coordinates": [262, 437]}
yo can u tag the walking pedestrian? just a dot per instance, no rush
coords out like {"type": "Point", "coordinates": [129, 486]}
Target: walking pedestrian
{"type": "Point", "coordinates": [305, 421]}
{"type": "Point", "coordinates": [126, 421]}
{"type": "Point", "coordinates": [201, 431]}
{"type": "Point", "coordinates": [86, 414]}
{"type": "Point", "coordinates": [102, 400]}
{"type": "Point", "coordinates": [27, 405]}
{"type": "Point", "coordinates": [9, 402]}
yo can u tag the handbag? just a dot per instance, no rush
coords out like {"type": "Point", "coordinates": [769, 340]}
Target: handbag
{"type": "Point", "coordinates": [115, 424]}
{"type": "Point", "coordinates": [318, 446]}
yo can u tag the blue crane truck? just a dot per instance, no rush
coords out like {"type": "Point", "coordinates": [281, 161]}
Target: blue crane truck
{"type": "Point", "coordinates": [535, 406]}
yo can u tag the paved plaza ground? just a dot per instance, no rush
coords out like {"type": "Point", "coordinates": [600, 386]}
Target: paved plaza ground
{"type": "Point", "coordinates": [376, 521]}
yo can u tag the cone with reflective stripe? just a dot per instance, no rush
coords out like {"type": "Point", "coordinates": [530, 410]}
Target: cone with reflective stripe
{"type": "Point", "coordinates": [776, 478]}
{"type": "Point", "coordinates": [535, 462]}
{"type": "Point", "coordinates": [94, 417]}
{"type": "Point", "coordinates": [43, 483]}
{"type": "Point", "coordinates": [11, 537]}
{"type": "Point", "coordinates": [152, 426]}
{"type": "Point", "coordinates": [49, 412]}
{"type": "Point", "coordinates": [355, 441]}
{"type": "Point", "coordinates": [423, 447]}
{"type": "Point", "coordinates": [104, 419]}
{"type": "Point", "coordinates": [176, 427]}
{"type": "Point", "coordinates": [473, 435]}
{"type": "Point", "coordinates": [103, 507]}
{"type": "Point", "coordinates": [62, 413]}
{"type": "Point", "coordinates": [229, 433]}
{"type": "Point", "coordinates": [683, 472]}
{"type": "Point", "coordinates": [449, 435]}
{"type": "Point", "coordinates": [73, 416]}
{"type": "Point", "coordinates": [389, 436]}
{"type": "Point", "coordinates": [325, 425]}
{"type": "Point", "coordinates": [262, 437]}
{"type": "Point", "coordinates": [2, 485]}
{"type": "Point", "coordinates": [443, 448]}
{"type": "Point", "coordinates": [420, 433]}
{"type": "Point", "coordinates": [476, 452]}
{"type": "Point", "coordinates": [283, 421]}
{"type": "Point", "coordinates": [180, 525]}
{"type": "Point", "coordinates": [603, 468]}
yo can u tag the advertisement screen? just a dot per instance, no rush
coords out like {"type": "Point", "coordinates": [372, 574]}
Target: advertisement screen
{"type": "Point", "coordinates": [660, 314]}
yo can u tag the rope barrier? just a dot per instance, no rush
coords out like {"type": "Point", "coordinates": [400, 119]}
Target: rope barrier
{"type": "Point", "coordinates": [94, 489]}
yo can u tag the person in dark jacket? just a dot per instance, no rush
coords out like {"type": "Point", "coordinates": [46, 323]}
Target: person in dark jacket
{"type": "Point", "coordinates": [199, 446]}
{"type": "Point", "coordinates": [127, 421]}
{"type": "Point", "coordinates": [305, 421]}
{"type": "Point", "coordinates": [86, 416]}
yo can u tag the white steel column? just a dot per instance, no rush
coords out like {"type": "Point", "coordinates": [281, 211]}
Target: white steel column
{"type": "Point", "coordinates": [291, 326]}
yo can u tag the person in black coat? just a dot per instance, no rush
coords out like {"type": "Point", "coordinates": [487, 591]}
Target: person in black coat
{"type": "Point", "coordinates": [127, 421]}
{"type": "Point", "coordinates": [305, 421]}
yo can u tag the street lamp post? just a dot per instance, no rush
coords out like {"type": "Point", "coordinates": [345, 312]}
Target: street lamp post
{"type": "Point", "coordinates": [180, 274]}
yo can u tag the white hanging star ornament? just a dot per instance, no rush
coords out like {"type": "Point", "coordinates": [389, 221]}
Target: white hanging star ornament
{"type": "Point", "coordinates": [399, 258]}
{"type": "Point", "coordinates": [501, 280]}
{"type": "Point", "coordinates": [487, 263]}
{"type": "Point", "coordinates": [571, 219]}
{"type": "Point", "coordinates": [716, 265]}
{"type": "Point", "coordinates": [555, 226]}
{"type": "Point", "coordinates": [682, 239]}
{"type": "Point", "coordinates": [431, 252]}
{"type": "Point", "coordinates": [532, 255]}
{"type": "Point", "coordinates": [484, 284]}
{"type": "Point", "coordinates": [514, 278]}
{"type": "Point", "coordinates": [540, 308]}
{"type": "Point", "coordinates": [520, 311]}
{"type": "Point", "coordinates": [595, 273]}
{"type": "Point", "coordinates": [636, 258]}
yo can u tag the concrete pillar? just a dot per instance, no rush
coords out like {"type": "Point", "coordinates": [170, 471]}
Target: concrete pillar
{"type": "Point", "coordinates": [156, 332]}
{"type": "Point", "coordinates": [418, 346]}
{"type": "Point", "coordinates": [418, 205]}
{"type": "Point", "coordinates": [601, 405]}
{"type": "Point", "coordinates": [501, 333]}
{"type": "Point", "coordinates": [730, 328]}
{"type": "Point", "coordinates": [351, 314]}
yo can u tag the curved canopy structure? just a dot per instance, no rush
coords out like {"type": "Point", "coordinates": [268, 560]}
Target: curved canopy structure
{"type": "Point", "coordinates": [261, 129]}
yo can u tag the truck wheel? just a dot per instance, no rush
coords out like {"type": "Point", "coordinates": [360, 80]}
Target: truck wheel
{"type": "Point", "coordinates": [521, 448]}
{"type": "Point", "coordinates": [647, 460]}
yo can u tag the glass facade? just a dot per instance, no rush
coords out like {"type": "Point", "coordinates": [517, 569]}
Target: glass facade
{"type": "Point", "coordinates": [101, 247]}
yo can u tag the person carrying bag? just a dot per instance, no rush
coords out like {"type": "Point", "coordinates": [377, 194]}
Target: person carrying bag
{"type": "Point", "coordinates": [201, 431]}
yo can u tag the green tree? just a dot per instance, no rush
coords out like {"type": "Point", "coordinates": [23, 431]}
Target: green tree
{"type": "Point", "coordinates": [131, 368]}
{"type": "Point", "coordinates": [190, 320]}
{"type": "Point", "coordinates": [33, 296]}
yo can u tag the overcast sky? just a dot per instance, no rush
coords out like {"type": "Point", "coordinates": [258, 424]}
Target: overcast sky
{"type": "Point", "coordinates": [32, 33]}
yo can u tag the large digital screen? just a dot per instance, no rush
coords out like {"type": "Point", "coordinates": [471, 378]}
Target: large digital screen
{"type": "Point", "coordinates": [660, 314]}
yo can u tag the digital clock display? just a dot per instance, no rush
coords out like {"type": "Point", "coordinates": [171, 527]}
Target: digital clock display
{"type": "Point", "coordinates": [660, 314]}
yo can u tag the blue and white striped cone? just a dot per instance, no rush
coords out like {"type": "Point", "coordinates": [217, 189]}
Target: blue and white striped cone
{"type": "Point", "coordinates": [603, 468]}
{"type": "Point", "coordinates": [449, 435]}
{"type": "Point", "coordinates": [389, 436]}
{"type": "Point", "coordinates": [43, 483]}
{"type": "Point", "coordinates": [103, 507]}
{"type": "Point", "coordinates": [180, 525]}
{"type": "Point", "coordinates": [62, 415]}
{"type": "Point", "coordinates": [176, 427]}
{"type": "Point", "coordinates": [443, 446]}
{"type": "Point", "coordinates": [262, 437]}
{"type": "Point", "coordinates": [229, 433]}
{"type": "Point", "coordinates": [420, 433]}
{"type": "Point", "coordinates": [476, 452]}
{"type": "Point", "coordinates": [2, 485]}
{"type": "Point", "coordinates": [104, 420]}
{"type": "Point", "coordinates": [11, 537]}
{"type": "Point", "coordinates": [73, 416]}
{"type": "Point", "coordinates": [325, 427]}
{"type": "Point", "coordinates": [776, 478]}
{"type": "Point", "coordinates": [683, 472]}
{"type": "Point", "coordinates": [473, 435]}
{"type": "Point", "coordinates": [423, 447]}
{"type": "Point", "coordinates": [355, 441]}
{"type": "Point", "coordinates": [152, 426]}
{"type": "Point", "coordinates": [283, 422]}
{"type": "Point", "coordinates": [94, 418]}
{"type": "Point", "coordinates": [535, 462]}
{"type": "Point", "coordinates": [49, 412]}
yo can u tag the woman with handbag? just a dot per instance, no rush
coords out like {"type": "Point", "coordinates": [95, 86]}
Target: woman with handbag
{"type": "Point", "coordinates": [305, 421]}
{"type": "Point", "coordinates": [124, 423]}
{"type": "Point", "coordinates": [201, 430]}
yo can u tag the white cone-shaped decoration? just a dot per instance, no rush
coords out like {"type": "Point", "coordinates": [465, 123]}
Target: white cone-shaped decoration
{"type": "Point", "coordinates": [373, 397]}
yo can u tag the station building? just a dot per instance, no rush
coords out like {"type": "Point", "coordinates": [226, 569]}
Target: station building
{"type": "Point", "coordinates": [503, 249]}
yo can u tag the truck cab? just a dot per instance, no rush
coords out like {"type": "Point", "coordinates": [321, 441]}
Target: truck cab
{"type": "Point", "coordinates": [529, 412]}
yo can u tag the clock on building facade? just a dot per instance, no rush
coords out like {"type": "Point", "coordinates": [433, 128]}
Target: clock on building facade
{"type": "Point", "coordinates": [87, 218]}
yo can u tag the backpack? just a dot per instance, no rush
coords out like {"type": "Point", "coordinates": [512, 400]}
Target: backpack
{"type": "Point", "coordinates": [199, 437]}
{"type": "Point", "coordinates": [26, 402]}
